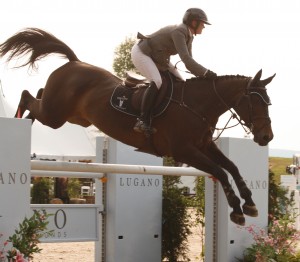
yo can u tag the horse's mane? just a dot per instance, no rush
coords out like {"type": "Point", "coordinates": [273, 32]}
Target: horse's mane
{"type": "Point", "coordinates": [223, 77]}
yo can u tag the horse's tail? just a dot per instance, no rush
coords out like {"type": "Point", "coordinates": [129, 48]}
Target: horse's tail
{"type": "Point", "coordinates": [37, 42]}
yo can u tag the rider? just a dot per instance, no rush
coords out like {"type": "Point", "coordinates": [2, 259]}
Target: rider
{"type": "Point", "coordinates": [152, 53]}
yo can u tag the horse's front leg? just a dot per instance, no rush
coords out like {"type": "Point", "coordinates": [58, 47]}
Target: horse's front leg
{"type": "Point", "coordinates": [216, 155]}
{"type": "Point", "coordinates": [194, 157]}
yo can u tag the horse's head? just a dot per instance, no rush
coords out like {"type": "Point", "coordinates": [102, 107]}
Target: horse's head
{"type": "Point", "coordinates": [253, 109]}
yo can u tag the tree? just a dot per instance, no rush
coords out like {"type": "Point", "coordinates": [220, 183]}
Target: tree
{"type": "Point", "coordinates": [122, 60]}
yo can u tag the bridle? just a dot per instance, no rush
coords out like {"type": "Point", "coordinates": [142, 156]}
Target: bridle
{"type": "Point", "coordinates": [247, 126]}
{"type": "Point", "coordinates": [250, 92]}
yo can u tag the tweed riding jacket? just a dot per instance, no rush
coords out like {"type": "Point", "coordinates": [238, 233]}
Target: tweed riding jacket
{"type": "Point", "coordinates": [171, 40]}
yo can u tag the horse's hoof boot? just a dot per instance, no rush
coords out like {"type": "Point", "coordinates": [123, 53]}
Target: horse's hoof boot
{"type": "Point", "coordinates": [250, 211]}
{"type": "Point", "coordinates": [238, 219]}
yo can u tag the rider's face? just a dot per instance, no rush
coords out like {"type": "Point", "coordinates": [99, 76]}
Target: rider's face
{"type": "Point", "coordinates": [200, 27]}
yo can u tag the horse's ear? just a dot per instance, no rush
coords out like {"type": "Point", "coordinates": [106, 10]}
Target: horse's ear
{"type": "Point", "coordinates": [257, 77]}
{"type": "Point", "coordinates": [268, 80]}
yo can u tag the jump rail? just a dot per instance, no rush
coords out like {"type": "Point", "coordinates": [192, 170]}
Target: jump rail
{"type": "Point", "coordinates": [71, 169]}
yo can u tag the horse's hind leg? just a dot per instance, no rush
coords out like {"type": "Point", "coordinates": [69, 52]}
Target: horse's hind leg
{"type": "Point", "coordinates": [52, 118]}
{"type": "Point", "coordinates": [38, 96]}
{"type": "Point", "coordinates": [28, 102]}
{"type": "Point", "coordinates": [249, 207]}
{"type": "Point", "coordinates": [22, 107]}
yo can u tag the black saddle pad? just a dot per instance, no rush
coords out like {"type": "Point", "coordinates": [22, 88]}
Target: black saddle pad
{"type": "Point", "coordinates": [124, 98]}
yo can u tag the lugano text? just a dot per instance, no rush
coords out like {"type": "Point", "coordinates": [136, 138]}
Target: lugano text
{"type": "Point", "coordinates": [139, 182]}
{"type": "Point", "coordinates": [12, 178]}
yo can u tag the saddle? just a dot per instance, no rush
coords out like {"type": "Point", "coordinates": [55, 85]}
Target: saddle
{"type": "Point", "coordinates": [127, 97]}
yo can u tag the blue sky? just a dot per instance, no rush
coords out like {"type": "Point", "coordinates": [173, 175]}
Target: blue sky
{"type": "Point", "coordinates": [245, 36]}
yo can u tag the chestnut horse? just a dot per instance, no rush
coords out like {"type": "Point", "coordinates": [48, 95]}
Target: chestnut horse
{"type": "Point", "coordinates": [80, 93]}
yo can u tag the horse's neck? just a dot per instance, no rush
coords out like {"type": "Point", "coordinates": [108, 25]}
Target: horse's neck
{"type": "Point", "coordinates": [205, 95]}
{"type": "Point", "coordinates": [231, 89]}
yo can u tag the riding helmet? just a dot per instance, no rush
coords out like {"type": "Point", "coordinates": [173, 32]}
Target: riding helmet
{"type": "Point", "coordinates": [195, 14]}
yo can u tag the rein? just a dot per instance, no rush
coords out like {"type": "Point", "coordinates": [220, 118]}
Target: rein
{"type": "Point", "coordinates": [248, 94]}
{"type": "Point", "coordinates": [183, 104]}
{"type": "Point", "coordinates": [233, 115]}
{"type": "Point", "coordinates": [250, 91]}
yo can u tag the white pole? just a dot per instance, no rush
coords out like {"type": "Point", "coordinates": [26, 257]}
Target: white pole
{"type": "Point", "coordinates": [42, 173]}
{"type": "Point", "coordinates": [114, 168]}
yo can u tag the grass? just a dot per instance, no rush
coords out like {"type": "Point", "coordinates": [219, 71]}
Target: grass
{"type": "Point", "coordinates": [278, 166]}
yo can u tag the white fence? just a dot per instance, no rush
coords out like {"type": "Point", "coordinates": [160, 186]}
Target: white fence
{"type": "Point", "coordinates": [95, 170]}
{"type": "Point", "coordinates": [223, 240]}
{"type": "Point", "coordinates": [84, 217]}
{"type": "Point", "coordinates": [131, 225]}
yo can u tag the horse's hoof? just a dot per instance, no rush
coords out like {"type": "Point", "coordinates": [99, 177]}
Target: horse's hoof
{"type": "Point", "coordinates": [238, 219]}
{"type": "Point", "coordinates": [250, 211]}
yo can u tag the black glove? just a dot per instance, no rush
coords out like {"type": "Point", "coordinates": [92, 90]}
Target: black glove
{"type": "Point", "coordinates": [210, 74]}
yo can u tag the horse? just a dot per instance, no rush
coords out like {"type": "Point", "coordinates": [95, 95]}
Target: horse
{"type": "Point", "coordinates": [79, 93]}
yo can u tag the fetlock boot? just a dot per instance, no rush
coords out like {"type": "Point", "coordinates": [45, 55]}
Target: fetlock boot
{"type": "Point", "coordinates": [143, 124]}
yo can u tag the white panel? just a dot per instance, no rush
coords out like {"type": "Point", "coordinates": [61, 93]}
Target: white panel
{"type": "Point", "coordinates": [134, 209]}
{"type": "Point", "coordinates": [15, 135]}
{"type": "Point", "coordinates": [70, 223]}
{"type": "Point", "coordinates": [252, 161]}
{"type": "Point", "coordinates": [289, 181]}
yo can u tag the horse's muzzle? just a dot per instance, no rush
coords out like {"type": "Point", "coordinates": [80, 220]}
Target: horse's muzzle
{"type": "Point", "coordinates": [263, 137]}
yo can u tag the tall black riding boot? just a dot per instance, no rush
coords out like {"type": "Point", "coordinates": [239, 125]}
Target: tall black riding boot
{"type": "Point", "coordinates": [143, 124]}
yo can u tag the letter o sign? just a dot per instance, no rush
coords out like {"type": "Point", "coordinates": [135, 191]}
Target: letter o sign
{"type": "Point", "coordinates": [60, 219]}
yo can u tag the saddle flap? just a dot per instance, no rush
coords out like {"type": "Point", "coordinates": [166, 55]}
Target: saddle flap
{"type": "Point", "coordinates": [132, 79]}
{"type": "Point", "coordinates": [128, 99]}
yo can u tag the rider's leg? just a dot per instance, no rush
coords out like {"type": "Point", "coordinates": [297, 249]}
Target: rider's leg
{"type": "Point", "coordinates": [147, 68]}
{"type": "Point", "coordinates": [145, 65]}
{"type": "Point", "coordinates": [144, 122]}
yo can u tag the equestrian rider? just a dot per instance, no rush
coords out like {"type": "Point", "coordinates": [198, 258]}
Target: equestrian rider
{"type": "Point", "coordinates": [152, 53]}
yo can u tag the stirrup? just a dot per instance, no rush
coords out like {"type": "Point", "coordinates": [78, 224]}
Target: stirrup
{"type": "Point", "coordinates": [142, 127]}
{"type": "Point", "coordinates": [138, 126]}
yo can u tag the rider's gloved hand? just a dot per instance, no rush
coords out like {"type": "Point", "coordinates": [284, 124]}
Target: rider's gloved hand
{"type": "Point", "coordinates": [210, 74]}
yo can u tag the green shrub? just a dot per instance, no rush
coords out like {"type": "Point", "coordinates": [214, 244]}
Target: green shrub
{"type": "Point", "coordinates": [175, 226]}
{"type": "Point", "coordinates": [26, 238]}
{"type": "Point", "coordinates": [74, 188]}
{"type": "Point", "coordinates": [40, 191]}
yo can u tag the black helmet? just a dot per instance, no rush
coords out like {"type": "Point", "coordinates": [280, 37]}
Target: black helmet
{"type": "Point", "coordinates": [195, 14]}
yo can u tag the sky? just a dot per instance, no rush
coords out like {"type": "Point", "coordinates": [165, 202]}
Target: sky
{"type": "Point", "coordinates": [245, 36]}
